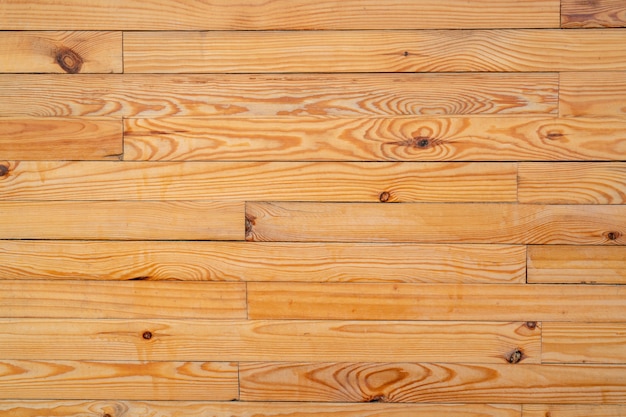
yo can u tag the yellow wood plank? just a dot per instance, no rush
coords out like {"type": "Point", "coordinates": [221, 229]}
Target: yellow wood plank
{"type": "Point", "coordinates": [584, 343]}
{"type": "Point", "coordinates": [374, 51]}
{"type": "Point", "coordinates": [254, 181]}
{"type": "Point", "coordinates": [592, 94]}
{"type": "Point", "coordinates": [136, 299]}
{"type": "Point", "coordinates": [515, 302]}
{"type": "Point", "coordinates": [62, 138]}
{"type": "Point", "coordinates": [362, 382]}
{"type": "Point", "coordinates": [593, 14]}
{"type": "Point", "coordinates": [318, 95]}
{"type": "Point", "coordinates": [423, 139]}
{"type": "Point", "coordinates": [261, 261]}
{"type": "Point", "coordinates": [154, 220]}
{"type": "Point", "coordinates": [578, 410]}
{"type": "Point", "coordinates": [573, 183]}
{"type": "Point", "coordinates": [60, 52]}
{"type": "Point", "coordinates": [558, 264]}
{"type": "Point", "coordinates": [237, 340]}
{"type": "Point", "coordinates": [436, 223]}
{"type": "Point", "coordinates": [122, 380]}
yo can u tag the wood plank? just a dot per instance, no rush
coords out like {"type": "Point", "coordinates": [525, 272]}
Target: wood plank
{"type": "Point", "coordinates": [515, 302]}
{"type": "Point", "coordinates": [61, 139]}
{"type": "Point", "coordinates": [261, 261]}
{"type": "Point", "coordinates": [558, 264]}
{"type": "Point", "coordinates": [60, 52]}
{"type": "Point", "coordinates": [363, 382]}
{"type": "Point", "coordinates": [133, 299]}
{"type": "Point", "coordinates": [319, 95]}
{"type": "Point", "coordinates": [123, 380]}
{"type": "Point", "coordinates": [436, 223]}
{"type": "Point", "coordinates": [530, 50]}
{"type": "Point", "coordinates": [374, 139]}
{"type": "Point", "coordinates": [592, 94]}
{"type": "Point", "coordinates": [253, 181]}
{"type": "Point", "coordinates": [92, 220]}
{"type": "Point", "coordinates": [578, 410]}
{"type": "Point", "coordinates": [593, 14]}
{"type": "Point", "coordinates": [584, 343]}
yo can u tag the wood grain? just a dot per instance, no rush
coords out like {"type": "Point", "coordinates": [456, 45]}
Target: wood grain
{"type": "Point", "coordinates": [592, 94]}
{"type": "Point", "coordinates": [556, 264]}
{"type": "Point", "coordinates": [254, 181]}
{"type": "Point", "coordinates": [364, 382]}
{"type": "Point", "coordinates": [93, 220]}
{"type": "Point", "coordinates": [60, 139]}
{"type": "Point", "coordinates": [437, 223]}
{"type": "Point", "coordinates": [249, 340]}
{"type": "Point", "coordinates": [319, 95]}
{"type": "Point", "coordinates": [515, 302]}
{"type": "Point", "coordinates": [578, 410]}
{"type": "Point", "coordinates": [374, 51]}
{"type": "Point", "coordinates": [593, 14]}
{"type": "Point", "coordinates": [261, 261]}
{"type": "Point", "coordinates": [136, 299]}
{"type": "Point", "coordinates": [584, 343]}
{"type": "Point", "coordinates": [60, 52]}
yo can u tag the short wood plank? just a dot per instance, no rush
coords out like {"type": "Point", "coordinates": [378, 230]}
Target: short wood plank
{"type": "Point", "coordinates": [436, 223]}
{"type": "Point", "coordinates": [578, 410]}
{"type": "Point", "coordinates": [126, 220]}
{"type": "Point", "coordinates": [515, 302]}
{"type": "Point", "coordinates": [374, 51]}
{"type": "Point", "coordinates": [584, 343]}
{"type": "Point", "coordinates": [94, 380]}
{"type": "Point", "coordinates": [254, 181]}
{"type": "Point", "coordinates": [60, 139]}
{"type": "Point", "coordinates": [135, 299]}
{"type": "Point", "coordinates": [573, 183]}
{"type": "Point", "coordinates": [363, 382]}
{"type": "Point", "coordinates": [319, 95]}
{"type": "Point", "coordinates": [261, 261]}
{"type": "Point", "coordinates": [593, 14]}
{"type": "Point", "coordinates": [374, 139]}
{"type": "Point", "coordinates": [592, 94]}
{"type": "Point", "coordinates": [556, 264]}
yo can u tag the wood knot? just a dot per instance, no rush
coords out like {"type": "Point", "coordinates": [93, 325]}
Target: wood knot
{"type": "Point", "coordinates": [106, 415]}
{"type": "Point", "coordinates": [531, 324]}
{"type": "Point", "coordinates": [421, 142]}
{"type": "Point", "coordinates": [147, 335]}
{"type": "Point", "coordinates": [250, 222]}
{"type": "Point", "coordinates": [384, 196]}
{"type": "Point", "coordinates": [4, 170]}
{"type": "Point", "coordinates": [69, 60]}
{"type": "Point", "coordinates": [377, 399]}
{"type": "Point", "coordinates": [613, 235]}
{"type": "Point", "coordinates": [516, 356]}
{"type": "Point", "coordinates": [406, 53]}
{"type": "Point", "coordinates": [554, 135]}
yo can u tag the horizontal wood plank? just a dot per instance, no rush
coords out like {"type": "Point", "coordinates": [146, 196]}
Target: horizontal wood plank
{"type": "Point", "coordinates": [593, 14]}
{"type": "Point", "coordinates": [436, 223]}
{"type": "Point", "coordinates": [515, 302]}
{"type": "Point", "coordinates": [126, 220]}
{"type": "Point", "coordinates": [60, 52]}
{"type": "Point", "coordinates": [592, 94]}
{"type": "Point", "coordinates": [584, 343]}
{"type": "Point", "coordinates": [261, 261]}
{"type": "Point", "coordinates": [578, 410]}
{"type": "Point", "coordinates": [60, 139]}
{"type": "Point", "coordinates": [135, 299]}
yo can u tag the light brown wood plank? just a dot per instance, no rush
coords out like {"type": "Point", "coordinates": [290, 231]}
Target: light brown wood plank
{"type": "Point", "coordinates": [137, 299]}
{"type": "Point", "coordinates": [593, 14]}
{"type": "Point", "coordinates": [362, 382]}
{"type": "Point", "coordinates": [319, 95]}
{"type": "Point", "coordinates": [584, 343]}
{"type": "Point", "coordinates": [398, 139]}
{"type": "Point", "coordinates": [254, 181]}
{"type": "Point", "coordinates": [578, 410]}
{"type": "Point", "coordinates": [558, 264]}
{"type": "Point", "coordinates": [436, 223]}
{"type": "Point", "coordinates": [126, 220]}
{"type": "Point", "coordinates": [261, 261]}
{"type": "Point", "coordinates": [521, 302]}
{"type": "Point", "coordinates": [60, 52]}
{"type": "Point", "coordinates": [573, 183]}
{"type": "Point", "coordinates": [60, 139]}
{"type": "Point", "coordinates": [529, 50]}
{"type": "Point", "coordinates": [593, 94]}
{"type": "Point", "coordinates": [122, 380]}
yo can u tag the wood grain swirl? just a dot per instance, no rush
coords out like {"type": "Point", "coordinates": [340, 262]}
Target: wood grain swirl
{"type": "Point", "coordinates": [593, 14]}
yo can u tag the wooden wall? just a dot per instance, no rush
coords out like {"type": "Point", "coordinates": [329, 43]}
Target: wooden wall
{"type": "Point", "coordinates": [313, 208]}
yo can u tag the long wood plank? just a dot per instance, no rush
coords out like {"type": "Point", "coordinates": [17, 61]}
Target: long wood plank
{"type": "Point", "coordinates": [319, 95]}
{"type": "Point", "coordinates": [60, 139]}
{"type": "Point", "coordinates": [261, 261]}
{"type": "Point", "coordinates": [238, 340]}
{"type": "Point", "coordinates": [60, 52]}
{"type": "Point", "coordinates": [584, 343]}
{"type": "Point", "coordinates": [135, 299]}
{"type": "Point", "coordinates": [578, 410]}
{"type": "Point", "coordinates": [436, 223]}
{"type": "Point", "coordinates": [254, 181]}
{"type": "Point", "coordinates": [515, 302]}
{"type": "Point", "coordinates": [126, 220]}
{"type": "Point", "coordinates": [121, 380]}
{"type": "Point", "coordinates": [373, 139]}
{"type": "Point", "coordinates": [592, 94]}
{"type": "Point", "coordinates": [592, 14]}
{"type": "Point", "coordinates": [556, 264]}
{"type": "Point", "coordinates": [362, 382]}
{"type": "Point", "coordinates": [530, 50]}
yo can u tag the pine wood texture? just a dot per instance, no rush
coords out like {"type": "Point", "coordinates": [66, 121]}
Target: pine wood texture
{"type": "Point", "coordinates": [584, 343]}
{"type": "Point", "coordinates": [592, 94]}
{"type": "Point", "coordinates": [558, 410]}
{"type": "Point", "coordinates": [592, 14]}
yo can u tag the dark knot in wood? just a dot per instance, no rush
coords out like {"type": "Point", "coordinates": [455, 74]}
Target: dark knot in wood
{"type": "Point", "coordinates": [147, 335]}
{"type": "Point", "coordinates": [4, 170]}
{"type": "Point", "coordinates": [384, 197]}
{"type": "Point", "coordinates": [69, 60]}
{"type": "Point", "coordinates": [516, 356]}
